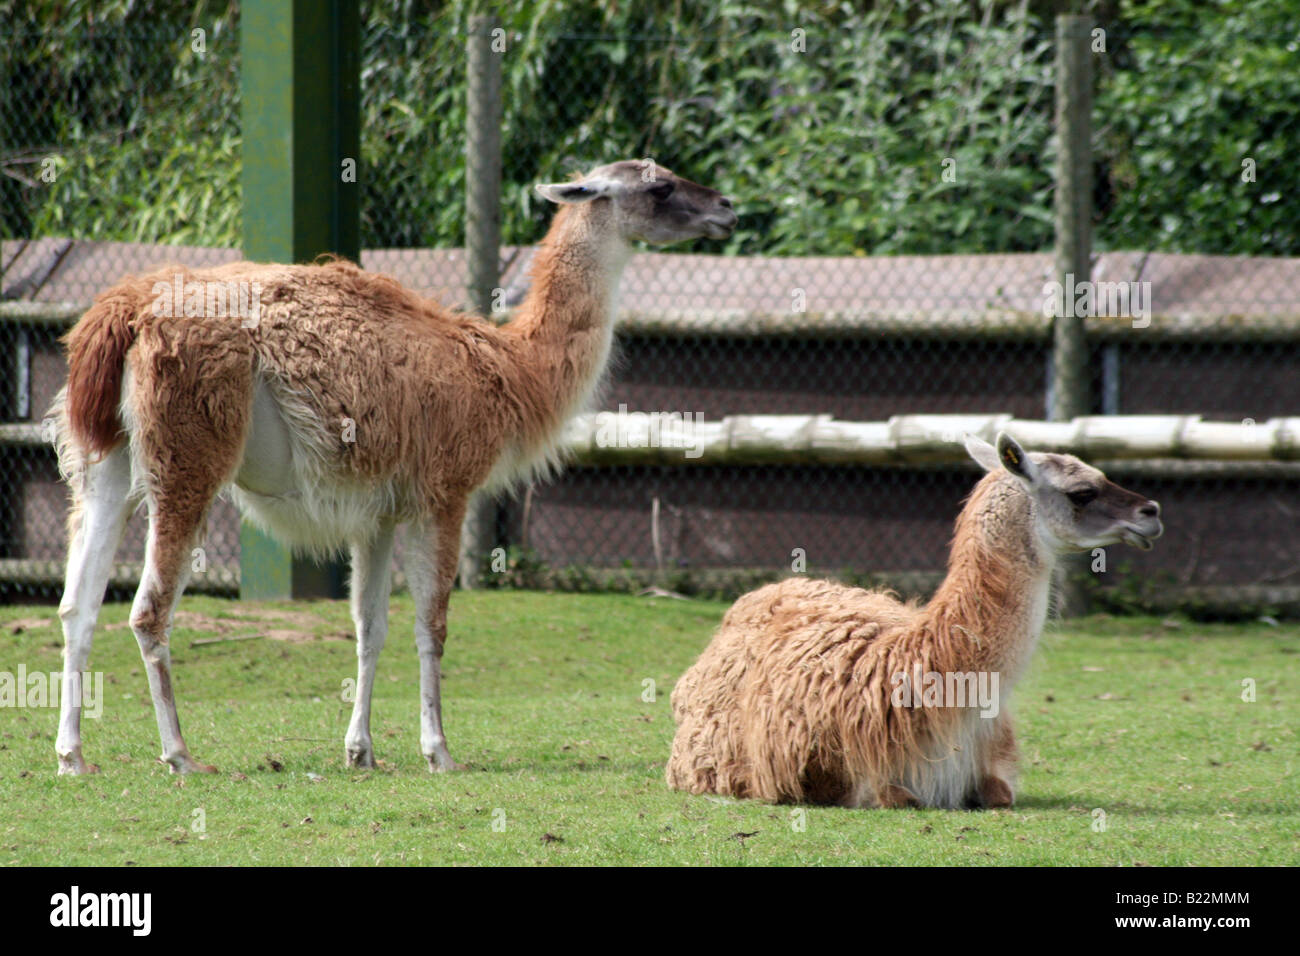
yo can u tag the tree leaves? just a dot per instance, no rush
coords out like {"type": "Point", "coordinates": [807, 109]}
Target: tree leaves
{"type": "Point", "coordinates": [831, 126]}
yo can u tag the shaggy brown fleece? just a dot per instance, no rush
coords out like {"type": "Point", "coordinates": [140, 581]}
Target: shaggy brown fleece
{"type": "Point", "coordinates": [791, 701]}
{"type": "Point", "coordinates": [357, 347]}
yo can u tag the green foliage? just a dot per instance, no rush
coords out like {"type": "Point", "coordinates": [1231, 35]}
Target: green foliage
{"type": "Point", "coordinates": [834, 138]}
{"type": "Point", "coordinates": [141, 130]}
{"type": "Point", "coordinates": [1194, 93]}
{"type": "Point", "coordinates": [831, 124]}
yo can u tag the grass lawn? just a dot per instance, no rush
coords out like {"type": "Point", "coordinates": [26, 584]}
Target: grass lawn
{"type": "Point", "coordinates": [1138, 718]}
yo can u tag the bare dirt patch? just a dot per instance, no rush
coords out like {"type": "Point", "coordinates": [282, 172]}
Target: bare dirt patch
{"type": "Point", "coordinates": [30, 624]}
{"type": "Point", "coordinates": [272, 624]}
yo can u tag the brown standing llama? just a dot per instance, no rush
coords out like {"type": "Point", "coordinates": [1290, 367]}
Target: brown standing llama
{"type": "Point", "coordinates": [814, 692]}
{"type": "Point", "coordinates": [342, 406]}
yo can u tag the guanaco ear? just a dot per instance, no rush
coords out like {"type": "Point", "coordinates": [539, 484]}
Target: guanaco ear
{"type": "Point", "coordinates": [985, 455]}
{"type": "Point", "coordinates": [584, 190]}
{"type": "Point", "coordinates": [1014, 459]}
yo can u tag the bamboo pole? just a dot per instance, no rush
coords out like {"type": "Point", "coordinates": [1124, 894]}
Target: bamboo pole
{"type": "Point", "coordinates": [1177, 445]}
{"type": "Point", "coordinates": [911, 441]}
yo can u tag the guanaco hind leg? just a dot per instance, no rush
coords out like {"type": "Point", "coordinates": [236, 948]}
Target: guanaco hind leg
{"type": "Point", "coordinates": [172, 535]}
{"type": "Point", "coordinates": [190, 424]}
{"type": "Point", "coordinates": [102, 507]}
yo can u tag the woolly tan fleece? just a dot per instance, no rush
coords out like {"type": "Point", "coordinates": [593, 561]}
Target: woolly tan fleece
{"type": "Point", "coordinates": [791, 701]}
{"type": "Point", "coordinates": [354, 347]}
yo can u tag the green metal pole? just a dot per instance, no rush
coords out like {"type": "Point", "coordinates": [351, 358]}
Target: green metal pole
{"type": "Point", "coordinates": [301, 113]}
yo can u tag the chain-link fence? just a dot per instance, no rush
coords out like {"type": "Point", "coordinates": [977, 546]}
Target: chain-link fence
{"type": "Point", "coordinates": [894, 172]}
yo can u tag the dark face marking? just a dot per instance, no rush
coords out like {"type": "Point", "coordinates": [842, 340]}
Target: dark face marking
{"type": "Point", "coordinates": [1120, 502]}
{"type": "Point", "coordinates": [1082, 497]}
{"type": "Point", "coordinates": [1098, 510]}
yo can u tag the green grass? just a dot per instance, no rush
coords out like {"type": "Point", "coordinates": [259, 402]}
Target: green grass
{"type": "Point", "coordinates": [543, 696]}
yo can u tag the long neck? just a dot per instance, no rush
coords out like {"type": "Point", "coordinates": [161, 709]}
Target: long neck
{"type": "Point", "coordinates": [989, 612]}
{"type": "Point", "coordinates": [567, 319]}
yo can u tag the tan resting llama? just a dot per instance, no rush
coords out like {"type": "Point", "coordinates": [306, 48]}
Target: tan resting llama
{"type": "Point", "coordinates": [814, 692]}
{"type": "Point", "coordinates": [343, 406]}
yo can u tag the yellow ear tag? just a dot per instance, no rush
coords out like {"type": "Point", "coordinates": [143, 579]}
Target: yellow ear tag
{"type": "Point", "coordinates": [1010, 455]}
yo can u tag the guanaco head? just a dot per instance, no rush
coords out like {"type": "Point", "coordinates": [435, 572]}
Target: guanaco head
{"type": "Point", "coordinates": [1076, 508]}
{"type": "Point", "coordinates": [648, 202]}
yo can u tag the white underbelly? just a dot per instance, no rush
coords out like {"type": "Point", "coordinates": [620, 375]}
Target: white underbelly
{"type": "Point", "coordinates": [948, 774]}
{"type": "Point", "coordinates": [945, 776]}
{"type": "Point", "coordinates": [283, 485]}
{"type": "Point", "coordinates": [267, 466]}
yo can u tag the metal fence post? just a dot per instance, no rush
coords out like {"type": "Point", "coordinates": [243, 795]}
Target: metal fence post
{"type": "Point", "coordinates": [1070, 385]}
{"type": "Point", "coordinates": [482, 235]}
{"type": "Point", "coordinates": [301, 115]}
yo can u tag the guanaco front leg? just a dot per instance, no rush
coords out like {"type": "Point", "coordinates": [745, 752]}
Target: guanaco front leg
{"type": "Point", "coordinates": [371, 587]}
{"type": "Point", "coordinates": [997, 773]}
{"type": "Point", "coordinates": [103, 503]}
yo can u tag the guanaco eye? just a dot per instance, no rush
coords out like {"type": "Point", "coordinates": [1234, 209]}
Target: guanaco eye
{"type": "Point", "coordinates": [1081, 497]}
{"type": "Point", "coordinates": [662, 191]}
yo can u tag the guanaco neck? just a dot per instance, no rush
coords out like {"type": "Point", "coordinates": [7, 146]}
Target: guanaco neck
{"type": "Point", "coordinates": [567, 318]}
{"type": "Point", "coordinates": [989, 612]}
{"type": "Point", "coordinates": [564, 327]}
